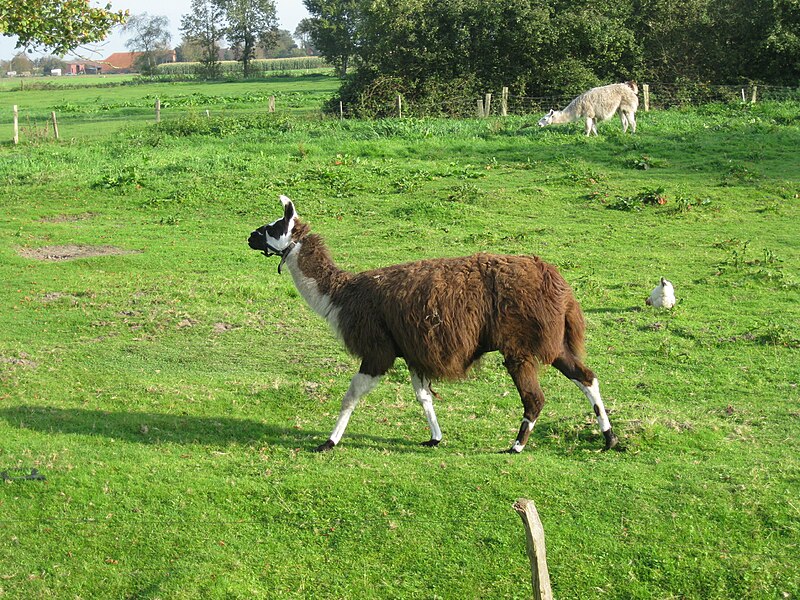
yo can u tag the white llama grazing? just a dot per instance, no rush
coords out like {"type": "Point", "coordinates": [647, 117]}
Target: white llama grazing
{"type": "Point", "coordinates": [599, 104]}
{"type": "Point", "coordinates": [662, 296]}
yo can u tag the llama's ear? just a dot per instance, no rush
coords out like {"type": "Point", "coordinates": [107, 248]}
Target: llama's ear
{"type": "Point", "coordinates": [552, 112]}
{"type": "Point", "coordinates": [663, 281]}
{"type": "Point", "coordinates": [288, 208]}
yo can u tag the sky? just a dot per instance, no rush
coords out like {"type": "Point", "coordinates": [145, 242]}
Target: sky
{"type": "Point", "coordinates": [290, 13]}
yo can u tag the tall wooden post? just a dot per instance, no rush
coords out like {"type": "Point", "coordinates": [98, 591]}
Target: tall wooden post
{"type": "Point", "coordinates": [272, 104]}
{"type": "Point", "coordinates": [753, 99]}
{"type": "Point", "coordinates": [16, 124]}
{"type": "Point", "coordinates": [534, 538]}
{"type": "Point", "coordinates": [341, 111]}
{"type": "Point", "coordinates": [504, 103]}
{"type": "Point", "coordinates": [487, 105]}
{"type": "Point", "coordinates": [646, 92]}
{"type": "Point", "coordinates": [55, 123]}
{"type": "Point", "coordinates": [158, 110]}
{"type": "Point", "coordinates": [480, 108]}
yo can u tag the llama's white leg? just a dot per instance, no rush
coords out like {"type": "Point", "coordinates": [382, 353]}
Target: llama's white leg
{"type": "Point", "coordinates": [592, 392]}
{"type": "Point", "coordinates": [422, 389]}
{"type": "Point", "coordinates": [360, 385]}
{"type": "Point", "coordinates": [594, 126]}
{"type": "Point", "coordinates": [589, 126]}
{"type": "Point", "coordinates": [624, 118]}
{"type": "Point", "coordinates": [632, 121]}
{"type": "Point", "coordinates": [525, 431]}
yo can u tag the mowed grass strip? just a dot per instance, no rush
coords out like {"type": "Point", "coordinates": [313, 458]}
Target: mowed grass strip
{"type": "Point", "coordinates": [171, 392]}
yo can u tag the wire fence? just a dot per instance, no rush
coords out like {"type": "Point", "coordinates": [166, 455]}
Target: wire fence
{"type": "Point", "coordinates": [654, 96]}
{"type": "Point", "coordinates": [37, 124]}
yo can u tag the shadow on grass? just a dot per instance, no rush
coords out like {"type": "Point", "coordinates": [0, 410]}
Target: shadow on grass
{"type": "Point", "coordinates": [158, 428]}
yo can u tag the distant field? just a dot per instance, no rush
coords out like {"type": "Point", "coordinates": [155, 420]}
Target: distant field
{"type": "Point", "coordinates": [94, 106]}
{"type": "Point", "coordinates": [169, 384]}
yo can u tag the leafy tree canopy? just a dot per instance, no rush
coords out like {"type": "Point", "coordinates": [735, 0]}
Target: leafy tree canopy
{"type": "Point", "coordinates": [429, 50]}
{"type": "Point", "coordinates": [58, 25]}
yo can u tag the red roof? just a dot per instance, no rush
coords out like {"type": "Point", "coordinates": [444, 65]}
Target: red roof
{"type": "Point", "coordinates": [121, 60]}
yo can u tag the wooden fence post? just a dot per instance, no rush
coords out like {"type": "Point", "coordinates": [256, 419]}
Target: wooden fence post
{"type": "Point", "coordinates": [646, 92]}
{"type": "Point", "coordinates": [487, 105]}
{"type": "Point", "coordinates": [16, 124]}
{"type": "Point", "coordinates": [272, 104]}
{"type": "Point", "coordinates": [341, 111]}
{"type": "Point", "coordinates": [753, 99]}
{"type": "Point", "coordinates": [55, 123]}
{"type": "Point", "coordinates": [534, 538]}
{"type": "Point", "coordinates": [480, 108]}
{"type": "Point", "coordinates": [504, 103]}
{"type": "Point", "coordinates": [158, 110]}
{"type": "Point", "coordinates": [743, 100]}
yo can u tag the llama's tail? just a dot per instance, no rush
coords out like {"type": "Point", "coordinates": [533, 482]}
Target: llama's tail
{"type": "Point", "coordinates": [574, 328]}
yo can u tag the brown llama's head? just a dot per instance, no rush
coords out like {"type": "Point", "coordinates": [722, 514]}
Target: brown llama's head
{"type": "Point", "coordinates": [276, 237]}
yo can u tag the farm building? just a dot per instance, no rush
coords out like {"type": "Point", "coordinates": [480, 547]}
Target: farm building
{"type": "Point", "coordinates": [118, 62]}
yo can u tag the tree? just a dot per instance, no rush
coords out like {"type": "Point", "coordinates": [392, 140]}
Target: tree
{"type": "Point", "coordinates": [21, 63]}
{"type": "Point", "coordinates": [60, 25]}
{"type": "Point", "coordinates": [48, 63]}
{"type": "Point", "coordinates": [251, 23]}
{"type": "Point", "coordinates": [151, 37]}
{"type": "Point", "coordinates": [334, 30]}
{"type": "Point", "coordinates": [303, 34]}
{"type": "Point", "coordinates": [285, 46]}
{"type": "Point", "coordinates": [205, 27]}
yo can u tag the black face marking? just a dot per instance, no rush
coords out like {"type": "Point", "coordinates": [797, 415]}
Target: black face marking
{"type": "Point", "coordinates": [259, 238]}
{"type": "Point", "coordinates": [596, 410]}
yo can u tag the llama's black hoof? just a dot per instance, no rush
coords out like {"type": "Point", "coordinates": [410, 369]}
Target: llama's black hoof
{"type": "Point", "coordinates": [325, 447]}
{"type": "Point", "coordinates": [431, 443]}
{"type": "Point", "coordinates": [612, 441]}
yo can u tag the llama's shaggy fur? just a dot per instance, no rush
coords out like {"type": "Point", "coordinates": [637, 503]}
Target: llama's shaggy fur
{"type": "Point", "coordinates": [441, 316]}
{"type": "Point", "coordinates": [599, 104]}
{"type": "Point", "coordinates": [662, 296]}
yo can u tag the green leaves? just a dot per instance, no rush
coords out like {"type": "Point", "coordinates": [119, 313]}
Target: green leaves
{"type": "Point", "coordinates": [58, 25]}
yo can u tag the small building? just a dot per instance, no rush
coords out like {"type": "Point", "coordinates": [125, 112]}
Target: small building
{"type": "Point", "coordinates": [118, 62]}
{"type": "Point", "coordinates": [55, 72]}
{"type": "Point", "coordinates": [84, 67]}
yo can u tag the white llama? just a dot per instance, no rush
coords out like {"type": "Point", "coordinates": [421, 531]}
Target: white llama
{"type": "Point", "coordinates": [599, 104]}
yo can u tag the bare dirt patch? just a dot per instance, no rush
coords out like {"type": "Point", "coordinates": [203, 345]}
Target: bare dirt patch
{"type": "Point", "coordinates": [71, 252]}
{"type": "Point", "coordinates": [222, 327]}
{"type": "Point", "coordinates": [18, 361]}
{"type": "Point", "coordinates": [67, 218]}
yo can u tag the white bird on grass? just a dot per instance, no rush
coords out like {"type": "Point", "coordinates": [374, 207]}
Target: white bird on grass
{"type": "Point", "coordinates": [662, 296]}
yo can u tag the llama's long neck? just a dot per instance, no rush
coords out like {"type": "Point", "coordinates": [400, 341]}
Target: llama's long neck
{"type": "Point", "coordinates": [568, 115]}
{"type": "Point", "coordinates": [315, 275]}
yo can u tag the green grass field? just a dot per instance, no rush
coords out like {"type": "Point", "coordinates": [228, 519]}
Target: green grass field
{"type": "Point", "coordinates": [171, 394]}
{"type": "Point", "coordinates": [96, 106]}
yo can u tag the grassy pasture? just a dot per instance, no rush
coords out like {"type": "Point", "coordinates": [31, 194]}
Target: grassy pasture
{"type": "Point", "coordinates": [93, 106]}
{"type": "Point", "coordinates": [171, 395]}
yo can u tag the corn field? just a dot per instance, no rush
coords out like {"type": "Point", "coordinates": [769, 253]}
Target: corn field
{"type": "Point", "coordinates": [259, 66]}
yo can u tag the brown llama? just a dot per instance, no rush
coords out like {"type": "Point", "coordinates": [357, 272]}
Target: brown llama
{"type": "Point", "coordinates": [440, 316]}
